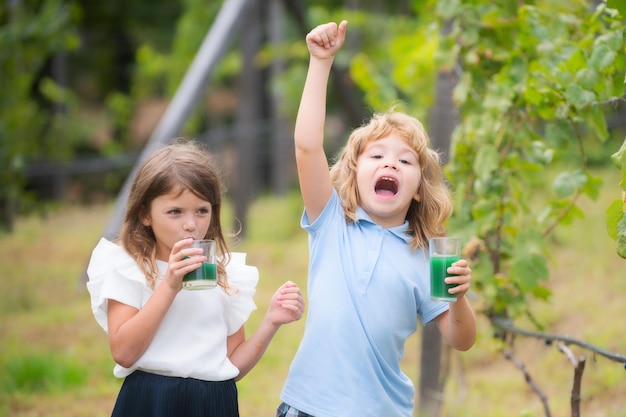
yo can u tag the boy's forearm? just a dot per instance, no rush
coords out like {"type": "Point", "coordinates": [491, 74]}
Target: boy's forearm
{"type": "Point", "coordinates": [461, 326]}
{"type": "Point", "coordinates": [312, 111]}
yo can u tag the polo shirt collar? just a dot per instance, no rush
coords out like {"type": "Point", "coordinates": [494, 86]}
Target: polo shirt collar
{"type": "Point", "coordinates": [400, 231]}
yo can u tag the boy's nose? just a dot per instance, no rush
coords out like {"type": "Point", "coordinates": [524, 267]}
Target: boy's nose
{"type": "Point", "coordinates": [390, 164]}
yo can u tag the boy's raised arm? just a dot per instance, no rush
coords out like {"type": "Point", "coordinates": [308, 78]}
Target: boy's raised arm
{"type": "Point", "coordinates": [323, 43]}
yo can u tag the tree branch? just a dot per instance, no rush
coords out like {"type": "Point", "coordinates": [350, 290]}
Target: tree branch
{"type": "Point", "coordinates": [508, 354]}
{"type": "Point", "coordinates": [579, 368]}
{"type": "Point", "coordinates": [504, 324]}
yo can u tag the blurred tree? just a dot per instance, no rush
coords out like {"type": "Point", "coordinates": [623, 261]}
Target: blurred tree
{"type": "Point", "coordinates": [31, 33]}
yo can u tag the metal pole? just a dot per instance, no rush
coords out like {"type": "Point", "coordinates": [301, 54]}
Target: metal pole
{"type": "Point", "coordinates": [213, 47]}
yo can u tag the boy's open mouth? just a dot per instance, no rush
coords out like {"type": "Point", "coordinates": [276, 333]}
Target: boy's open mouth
{"type": "Point", "coordinates": [386, 187]}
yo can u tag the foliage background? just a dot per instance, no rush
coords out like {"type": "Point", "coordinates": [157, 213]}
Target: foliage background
{"type": "Point", "coordinates": [541, 109]}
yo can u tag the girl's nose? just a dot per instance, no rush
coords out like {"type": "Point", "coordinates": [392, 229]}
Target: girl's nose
{"type": "Point", "coordinates": [189, 225]}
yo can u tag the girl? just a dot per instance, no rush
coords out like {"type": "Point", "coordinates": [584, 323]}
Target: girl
{"type": "Point", "coordinates": [369, 219]}
{"type": "Point", "coordinates": [180, 352]}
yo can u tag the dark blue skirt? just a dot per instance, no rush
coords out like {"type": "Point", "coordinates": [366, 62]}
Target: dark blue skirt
{"type": "Point", "coordinates": [149, 395]}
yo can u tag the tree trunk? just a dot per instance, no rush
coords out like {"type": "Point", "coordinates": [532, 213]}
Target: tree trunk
{"type": "Point", "coordinates": [248, 115]}
{"type": "Point", "coordinates": [430, 394]}
{"type": "Point", "coordinates": [444, 119]}
{"type": "Point", "coordinates": [282, 166]}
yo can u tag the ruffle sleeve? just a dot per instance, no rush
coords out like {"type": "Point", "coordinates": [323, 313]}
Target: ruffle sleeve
{"type": "Point", "coordinates": [243, 280]}
{"type": "Point", "coordinates": [113, 274]}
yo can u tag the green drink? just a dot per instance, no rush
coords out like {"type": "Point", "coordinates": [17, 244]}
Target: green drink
{"type": "Point", "coordinates": [438, 267]}
{"type": "Point", "coordinates": [443, 251]}
{"type": "Point", "coordinates": [204, 277]}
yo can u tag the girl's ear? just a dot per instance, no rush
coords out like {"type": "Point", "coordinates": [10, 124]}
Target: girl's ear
{"type": "Point", "coordinates": [145, 218]}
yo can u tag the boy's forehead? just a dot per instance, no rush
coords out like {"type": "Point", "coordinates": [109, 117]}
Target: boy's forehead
{"type": "Point", "coordinates": [389, 140]}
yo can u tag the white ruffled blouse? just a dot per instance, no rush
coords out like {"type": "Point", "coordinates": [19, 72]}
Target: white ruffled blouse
{"type": "Point", "coordinates": [191, 341]}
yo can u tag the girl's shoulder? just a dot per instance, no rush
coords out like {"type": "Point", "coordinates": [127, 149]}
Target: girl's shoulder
{"type": "Point", "coordinates": [113, 273]}
{"type": "Point", "coordinates": [108, 257]}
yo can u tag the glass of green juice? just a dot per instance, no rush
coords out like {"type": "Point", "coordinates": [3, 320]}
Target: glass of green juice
{"type": "Point", "coordinates": [443, 252]}
{"type": "Point", "coordinates": [204, 277]}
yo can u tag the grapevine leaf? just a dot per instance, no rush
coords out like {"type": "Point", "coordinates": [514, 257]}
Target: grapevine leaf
{"type": "Point", "coordinates": [618, 157]}
{"type": "Point", "coordinates": [614, 214]}
{"type": "Point", "coordinates": [601, 57]}
{"type": "Point", "coordinates": [619, 5]}
{"type": "Point", "coordinates": [579, 97]}
{"type": "Point", "coordinates": [528, 269]}
{"type": "Point", "coordinates": [621, 247]}
{"type": "Point", "coordinates": [597, 120]}
{"type": "Point", "coordinates": [566, 183]}
{"type": "Point", "coordinates": [621, 237]}
{"type": "Point", "coordinates": [593, 186]}
{"type": "Point", "coordinates": [486, 161]}
{"type": "Point", "coordinates": [587, 78]}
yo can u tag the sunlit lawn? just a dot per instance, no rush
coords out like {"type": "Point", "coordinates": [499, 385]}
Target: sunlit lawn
{"type": "Point", "coordinates": [55, 359]}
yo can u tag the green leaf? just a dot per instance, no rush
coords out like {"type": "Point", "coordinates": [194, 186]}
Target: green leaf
{"type": "Point", "coordinates": [593, 186]}
{"type": "Point", "coordinates": [621, 237]}
{"type": "Point", "coordinates": [449, 8]}
{"type": "Point", "coordinates": [619, 5]}
{"type": "Point", "coordinates": [587, 78]}
{"type": "Point", "coordinates": [578, 96]}
{"type": "Point", "coordinates": [621, 246]}
{"type": "Point", "coordinates": [486, 161]}
{"type": "Point", "coordinates": [528, 264]}
{"type": "Point", "coordinates": [542, 293]}
{"type": "Point", "coordinates": [528, 269]}
{"type": "Point", "coordinates": [559, 134]}
{"type": "Point", "coordinates": [618, 157]}
{"type": "Point", "coordinates": [614, 214]}
{"type": "Point", "coordinates": [499, 97]}
{"type": "Point", "coordinates": [601, 57]}
{"type": "Point", "coordinates": [566, 183]}
{"type": "Point", "coordinates": [462, 89]}
{"type": "Point", "coordinates": [597, 120]}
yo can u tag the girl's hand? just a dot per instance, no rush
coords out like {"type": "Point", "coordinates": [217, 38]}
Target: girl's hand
{"type": "Point", "coordinates": [287, 304]}
{"type": "Point", "coordinates": [324, 41]}
{"type": "Point", "coordinates": [463, 277]}
{"type": "Point", "coordinates": [183, 259]}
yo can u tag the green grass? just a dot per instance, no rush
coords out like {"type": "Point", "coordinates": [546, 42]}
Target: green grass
{"type": "Point", "coordinates": [40, 373]}
{"type": "Point", "coordinates": [55, 359]}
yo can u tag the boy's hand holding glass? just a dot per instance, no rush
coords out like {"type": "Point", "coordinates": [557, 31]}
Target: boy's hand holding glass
{"type": "Point", "coordinates": [443, 251]}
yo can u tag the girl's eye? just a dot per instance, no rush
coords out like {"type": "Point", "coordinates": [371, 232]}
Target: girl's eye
{"type": "Point", "coordinates": [404, 161]}
{"type": "Point", "coordinates": [376, 156]}
{"type": "Point", "coordinates": [174, 211]}
{"type": "Point", "coordinates": [203, 211]}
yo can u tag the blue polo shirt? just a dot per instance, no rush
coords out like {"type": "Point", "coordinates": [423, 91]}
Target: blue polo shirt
{"type": "Point", "coordinates": [366, 289]}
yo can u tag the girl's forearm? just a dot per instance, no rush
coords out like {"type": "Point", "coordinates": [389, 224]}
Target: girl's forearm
{"type": "Point", "coordinates": [131, 338]}
{"type": "Point", "coordinates": [248, 353]}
